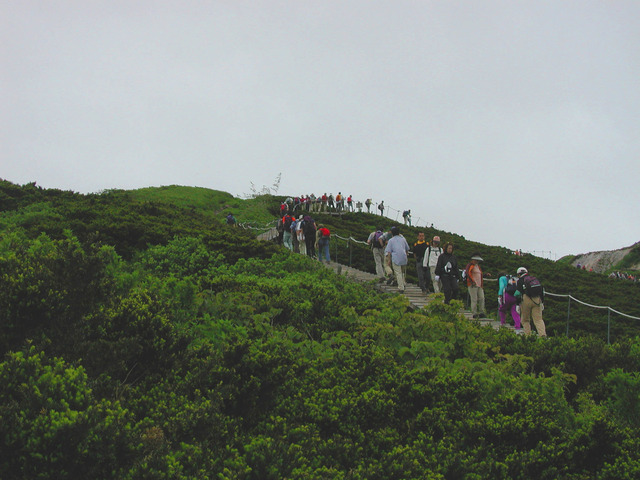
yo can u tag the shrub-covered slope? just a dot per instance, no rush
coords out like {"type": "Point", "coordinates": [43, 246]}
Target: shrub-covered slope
{"type": "Point", "coordinates": [143, 339]}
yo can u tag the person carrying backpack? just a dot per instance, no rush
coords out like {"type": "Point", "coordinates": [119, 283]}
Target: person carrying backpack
{"type": "Point", "coordinates": [431, 260]}
{"type": "Point", "coordinates": [376, 241]}
{"type": "Point", "coordinates": [530, 291]}
{"type": "Point", "coordinates": [309, 230]}
{"type": "Point", "coordinates": [507, 302]}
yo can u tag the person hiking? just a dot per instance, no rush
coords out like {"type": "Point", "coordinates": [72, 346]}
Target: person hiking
{"type": "Point", "coordinates": [531, 293]}
{"type": "Point", "coordinates": [406, 215]}
{"type": "Point", "coordinates": [447, 270]}
{"type": "Point", "coordinates": [309, 230]}
{"type": "Point", "coordinates": [475, 285]}
{"type": "Point", "coordinates": [287, 240]}
{"type": "Point", "coordinates": [381, 207]}
{"type": "Point", "coordinates": [376, 242]}
{"type": "Point", "coordinates": [322, 243]}
{"type": "Point", "coordinates": [419, 249]}
{"type": "Point", "coordinates": [507, 302]}
{"type": "Point", "coordinates": [299, 235]}
{"type": "Point", "coordinates": [231, 220]}
{"type": "Point", "coordinates": [431, 260]}
{"type": "Point", "coordinates": [397, 249]}
{"type": "Point", "coordinates": [368, 202]}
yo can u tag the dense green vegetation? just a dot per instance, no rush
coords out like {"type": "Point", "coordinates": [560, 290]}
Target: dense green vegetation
{"type": "Point", "coordinates": [143, 338]}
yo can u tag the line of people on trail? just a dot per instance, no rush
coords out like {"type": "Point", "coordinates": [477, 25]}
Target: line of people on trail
{"type": "Point", "coordinates": [520, 295]}
{"type": "Point", "coordinates": [303, 235]}
{"type": "Point", "coordinates": [328, 203]}
{"type": "Point", "coordinates": [321, 203]}
{"type": "Point", "coordinates": [623, 276]}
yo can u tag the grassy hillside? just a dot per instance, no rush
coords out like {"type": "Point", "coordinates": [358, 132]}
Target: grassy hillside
{"type": "Point", "coordinates": [142, 337]}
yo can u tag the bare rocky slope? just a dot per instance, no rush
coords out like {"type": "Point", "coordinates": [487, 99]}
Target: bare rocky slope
{"type": "Point", "coordinates": [603, 261]}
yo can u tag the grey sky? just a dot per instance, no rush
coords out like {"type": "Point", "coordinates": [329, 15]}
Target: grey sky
{"type": "Point", "coordinates": [512, 123]}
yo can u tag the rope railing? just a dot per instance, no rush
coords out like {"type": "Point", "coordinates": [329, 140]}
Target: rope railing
{"type": "Point", "coordinates": [350, 240]}
{"type": "Point", "coordinates": [599, 307]}
{"type": "Point", "coordinates": [363, 244]}
{"type": "Point", "coordinates": [388, 212]}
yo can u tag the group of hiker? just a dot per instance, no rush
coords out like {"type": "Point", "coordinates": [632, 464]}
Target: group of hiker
{"type": "Point", "coordinates": [623, 276]}
{"type": "Point", "coordinates": [329, 203]}
{"type": "Point", "coordinates": [303, 235]}
{"type": "Point", "coordinates": [521, 295]}
{"type": "Point", "coordinates": [321, 203]}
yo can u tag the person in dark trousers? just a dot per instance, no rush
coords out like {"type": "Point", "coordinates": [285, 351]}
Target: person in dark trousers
{"type": "Point", "coordinates": [309, 230]}
{"type": "Point", "coordinates": [418, 252]}
{"type": "Point", "coordinates": [447, 270]}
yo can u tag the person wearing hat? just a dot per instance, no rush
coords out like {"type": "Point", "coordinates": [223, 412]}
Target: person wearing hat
{"type": "Point", "coordinates": [430, 260]}
{"type": "Point", "coordinates": [531, 295]}
{"type": "Point", "coordinates": [475, 284]}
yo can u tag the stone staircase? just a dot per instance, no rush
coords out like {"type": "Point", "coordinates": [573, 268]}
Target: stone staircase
{"type": "Point", "coordinates": [412, 292]}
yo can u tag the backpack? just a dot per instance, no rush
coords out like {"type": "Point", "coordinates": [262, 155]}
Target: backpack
{"type": "Point", "coordinates": [375, 241]}
{"type": "Point", "coordinates": [532, 286]}
{"type": "Point", "coordinates": [511, 285]}
{"type": "Point", "coordinates": [308, 227]}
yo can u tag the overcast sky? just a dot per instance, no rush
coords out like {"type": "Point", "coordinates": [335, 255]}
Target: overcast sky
{"type": "Point", "coordinates": [513, 123]}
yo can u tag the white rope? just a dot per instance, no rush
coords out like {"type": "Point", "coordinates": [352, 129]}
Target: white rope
{"type": "Point", "coordinates": [592, 306]}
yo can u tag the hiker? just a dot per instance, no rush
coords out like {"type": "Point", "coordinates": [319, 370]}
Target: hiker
{"type": "Point", "coordinates": [381, 207]}
{"type": "Point", "coordinates": [368, 202]}
{"type": "Point", "coordinates": [322, 243]}
{"type": "Point", "coordinates": [339, 202]}
{"type": "Point", "coordinates": [294, 237]}
{"type": "Point", "coordinates": [350, 203]}
{"type": "Point", "coordinates": [447, 270]}
{"type": "Point", "coordinates": [507, 302]}
{"type": "Point", "coordinates": [419, 249]}
{"type": "Point", "coordinates": [531, 295]}
{"type": "Point", "coordinates": [231, 220]}
{"type": "Point", "coordinates": [475, 285]}
{"type": "Point", "coordinates": [397, 249]}
{"type": "Point", "coordinates": [309, 231]}
{"type": "Point", "coordinates": [431, 260]}
{"type": "Point", "coordinates": [376, 242]}
{"type": "Point", "coordinates": [406, 215]}
{"type": "Point", "coordinates": [287, 220]}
